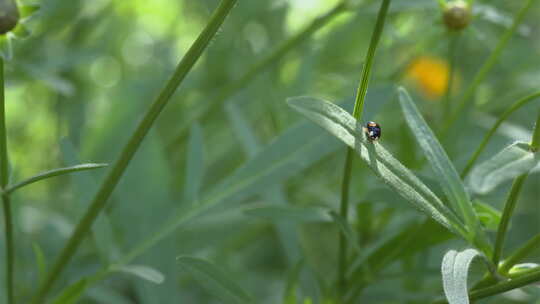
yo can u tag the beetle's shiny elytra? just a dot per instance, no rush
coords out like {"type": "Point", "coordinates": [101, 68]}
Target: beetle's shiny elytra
{"type": "Point", "coordinates": [373, 130]}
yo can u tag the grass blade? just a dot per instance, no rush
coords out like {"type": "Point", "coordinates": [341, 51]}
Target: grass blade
{"type": "Point", "coordinates": [342, 125]}
{"type": "Point", "coordinates": [455, 271]}
{"type": "Point", "coordinates": [511, 162]}
{"type": "Point", "coordinates": [447, 175]}
{"type": "Point", "coordinates": [215, 280]}
{"type": "Point", "coordinates": [53, 173]}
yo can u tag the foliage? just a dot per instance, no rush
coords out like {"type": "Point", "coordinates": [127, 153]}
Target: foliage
{"type": "Point", "coordinates": [233, 194]}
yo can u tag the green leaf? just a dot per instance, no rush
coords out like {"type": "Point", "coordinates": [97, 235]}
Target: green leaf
{"type": "Point", "coordinates": [144, 272]}
{"type": "Point", "coordinates": [443, 168]}
{"type": "Point", "coordinates": [28, 10]}
{"type": "Point", "coordinates": [242, 129]}
{"type": "Point", "coordinates": [6, 48]}
{"type": "Point", "coordinates": [489, 216]}
{"type": "Point", "coordinates": [506, 165]}
{"type": "Point", "coordinates": [347, 231]}
{"type": "Point", "coordinates": [194, 165]}
{"type": "Point", "coordinates": [53, 173]}
{"type": "Point", "coordinates": [293, 278]}
{"type": "Point", "coordinates": [287, 212]}
{"type": "Point", "coordinates": [342, 125]}
{"type": "Point", "coordinates": [21, 31]}
{"type": "Point", "coordinates": [215, 280]}
{"type": "Point", "coordinates": [455, 271]}
{"type": "Point", "coordinates": [72, 293]}
{"type": "Point", "coordinates": [40, 260]}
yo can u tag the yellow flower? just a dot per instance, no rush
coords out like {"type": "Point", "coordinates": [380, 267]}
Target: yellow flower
{"type": "Point", "coordinates": [430, 75]}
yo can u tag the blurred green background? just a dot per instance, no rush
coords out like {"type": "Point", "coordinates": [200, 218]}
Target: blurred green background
{"type": "Point", "coordinates": [79, 84]}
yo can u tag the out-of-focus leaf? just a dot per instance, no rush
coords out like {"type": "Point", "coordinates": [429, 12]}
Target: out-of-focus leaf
{"type": "Point", "coordinates": [455, 271]}
{"type": "Point", "coordinates": [144, 272]}
{"type": "Point", "coordinates": [511, 162]}
{"type": "Point", "coordinates": [445, 172]}
{"type": "Point", "coordinates": [215, 280]}
{"type": "Point", "coordinates": [523, 267]}
{"type": "Point", "coordinates": [40, 260]}
{"type": "Point", "coordinates": [85, 186]}
{"type": "Point", "coordinates": [6, 49]}
{"type": "Point", "coordinates": [489, 216]}
{"type": "Point", "coordinates": [72, 293]}
{"type": "Point", "coordinates": [346, 229]}
{"type": "Point", "coordinates": [290, 295]}
{"type": "Point", "coordinates": [342, 125]}
{"type": "Point", "coordinates": [194, 165]}
{"type": "Point", "coordinates": [53, 173]}
{"type": "Point", "coordinates": [21, 31]}
{"type": "Point", "coordinates": [28, 10]}
{"type": "Point", "coordinates": [291, 213]}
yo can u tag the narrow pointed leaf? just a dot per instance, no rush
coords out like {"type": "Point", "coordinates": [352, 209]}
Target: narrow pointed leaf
{"type": "Point", "coordinates": [443, 168]}
{"type": "Point", "coordinates": [53, 173]}
{"type": "Point", "coordinates": [40, 260]}
{"type": "Point", "coordinates": [71, 294]}
{"type": "Point", "coordinates": [292, 213]}
{"type": "Point", "coordinates": [144, 272]}
{"type": "Point", "coordinates": [511, 162]}
{"type": "Point", "coordinates": [194, 165]}
{"type": "Point", "coordinates": [214, 280]}
{"type": "Point", "coordinates": [347, 231]}
{"type": "Point", "coordinates": [28, 10]}
{"type": "Point", "coordinates": [342, 125]}
{"type": "Point", "coordinates": [455, 272]}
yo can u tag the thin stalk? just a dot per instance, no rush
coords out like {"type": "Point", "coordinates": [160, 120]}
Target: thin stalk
{"type": "Point", "coordinates": [507, 214]}
{"type": "Point", "coordinates": [520, 254]}
{"type": "Point", "coordinates": [516, 282]}
{"type": "Point", "coordinates": [4, 179]}
{"type": "Point", "coordinates": [487, 66]}
{"type": "Point", "coordinates": [117, 170]}
{"type": "Point", "coordinates": [452, 56]}
{"type": "Point", "coordinates": [357, 113]}
{"type": "Point", "coordinates": [517, 105]}
{"type": "Point", "coordinates": [512, 200]}
{"type": "Point", "coordinates": [255, 70]}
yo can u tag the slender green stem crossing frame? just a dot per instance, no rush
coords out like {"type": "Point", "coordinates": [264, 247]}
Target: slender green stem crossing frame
{"type": "Point", "coordinates": [357, 113]}
{"type": "Point", "coordinates": [117, 170]}
{"type": "Point", "coordinates": [514, 107]}
{"type": "Point", "coordinates": [4, 179]}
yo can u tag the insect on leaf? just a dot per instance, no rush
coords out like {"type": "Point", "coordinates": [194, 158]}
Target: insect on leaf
{"type": "Point", "coordinates": [342, 125]}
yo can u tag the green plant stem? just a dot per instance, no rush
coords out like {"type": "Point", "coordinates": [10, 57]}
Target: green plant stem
{"type": "Point", "coordinates": [520, 254]}
{"type": "Point", "coordinates": [487, 66]}
{"type": "Point", "coordinates": [516, 282]}
{"type": "Point", "coordinates": [535, 142]}
{"type": "Point", "coordinates": [357, 113]}
{"type": "Point", "coordinates": [517, 105]}
{"type": "Point", "coordinates": [251, 74]}
{"type": "Point", "coordinates": [131, 147]}
{"type": "Point", "coordinates": [507, 214]}
{"type": "Point", "coordinates": [512, 200]}
{"type": "Point", "coordinates": [452, 52]}
{"type": "Point", "coordinates": [4, 179]}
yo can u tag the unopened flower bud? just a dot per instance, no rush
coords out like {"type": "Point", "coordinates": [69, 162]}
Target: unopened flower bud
{"type": "Point", "coordinates": [457, 15]}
